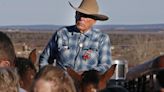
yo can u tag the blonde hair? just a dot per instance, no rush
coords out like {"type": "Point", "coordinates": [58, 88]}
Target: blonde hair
{"type": "Point", "coordinates": [63, 82]}
{"type": "Point", "coordinates": [9, 80]}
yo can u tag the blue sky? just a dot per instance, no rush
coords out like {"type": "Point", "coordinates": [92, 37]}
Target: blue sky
{"type": "Point", "coordinates": [58, 12]}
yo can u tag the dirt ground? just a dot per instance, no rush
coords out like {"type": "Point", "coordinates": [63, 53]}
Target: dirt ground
{"type": "Point", "coordinates": [136, 48]}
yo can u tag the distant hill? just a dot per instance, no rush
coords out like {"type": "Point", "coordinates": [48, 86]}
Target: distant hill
{"type": "Point", "coordinates": [144, 27]}
{"type": "Point", "coordinates": [132, 27]}
{"type": "Point", "coordinates": [31, 27]}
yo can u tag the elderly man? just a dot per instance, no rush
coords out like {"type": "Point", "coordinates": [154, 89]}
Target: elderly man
{"type": "Point", "coordinates": [80, 46]}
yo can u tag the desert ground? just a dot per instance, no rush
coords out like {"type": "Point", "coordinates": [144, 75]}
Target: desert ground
{"type": "Point", "coordinates": [135, 47]}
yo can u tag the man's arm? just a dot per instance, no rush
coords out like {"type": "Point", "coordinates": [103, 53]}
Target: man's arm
{"type": "Point", "coordinates": [48, 54]}
{"type": "Point", "coordinates": [104, 59]}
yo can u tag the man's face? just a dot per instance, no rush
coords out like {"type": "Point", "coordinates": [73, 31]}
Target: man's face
{"type": "Point", "coordinates": [84, 22]}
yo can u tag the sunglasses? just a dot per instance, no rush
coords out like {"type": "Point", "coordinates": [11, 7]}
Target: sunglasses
{"type": "Point", "coordinates": [79, 15]}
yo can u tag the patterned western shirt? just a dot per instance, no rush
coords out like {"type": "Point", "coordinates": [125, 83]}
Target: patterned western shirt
{"type": "Point", "coordinates": [80, 51]}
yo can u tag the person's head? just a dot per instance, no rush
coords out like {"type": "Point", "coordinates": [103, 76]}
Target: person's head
{"type": "Point", "coordinates": [87, 14]}
{"type": "Point", "coordinates": [52, 79]}
{"type": "Point", "coordinates": [7, 52]}
{"type": "Point", "coordinates": [84, 22]}
{"type": "Point", "coordinates": [9, 80]}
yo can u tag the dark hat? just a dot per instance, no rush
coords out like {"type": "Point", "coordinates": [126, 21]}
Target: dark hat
{"type": "Point", "coordinates": [90, 7]}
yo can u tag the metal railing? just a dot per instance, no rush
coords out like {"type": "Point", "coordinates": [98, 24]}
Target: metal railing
{"type": "Point", "coordinates": [143, 77]}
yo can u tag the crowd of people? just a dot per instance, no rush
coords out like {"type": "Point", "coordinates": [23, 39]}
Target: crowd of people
{"type": "Point", "coordinates": [80, 47]}
{"type": "Point", "coordinates": [48, 79]}
{"type": "Point", "coordinates": [13, 69]}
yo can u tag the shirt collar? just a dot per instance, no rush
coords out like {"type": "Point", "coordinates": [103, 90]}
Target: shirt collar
{"type": "Point", "coordinates": [88, 33]}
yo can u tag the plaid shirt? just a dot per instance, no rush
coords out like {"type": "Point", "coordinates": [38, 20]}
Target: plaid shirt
{"type": "Point", "coordinates": [80, 51]}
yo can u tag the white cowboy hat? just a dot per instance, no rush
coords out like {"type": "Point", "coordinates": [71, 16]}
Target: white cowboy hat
{"type": "Point", "coordinates": [90, 7]}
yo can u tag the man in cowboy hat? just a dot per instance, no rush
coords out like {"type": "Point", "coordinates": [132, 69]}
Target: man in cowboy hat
{"type": "Point", "coordinates": [80, 46]}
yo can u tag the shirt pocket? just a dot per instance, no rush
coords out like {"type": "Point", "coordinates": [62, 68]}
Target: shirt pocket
{"type": "Point", "coordinates": [63, 46]}
{"type": "Point", "coordinates": [90, 53]}
{"type": "Point", "coordinates": [64, 50]}
{"type": "Point", "coordinates": [94, 46]}
{"type": "Point", "coordinates": [64, 53]}
{"type": "Point", "coordinates": [94, 54]}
